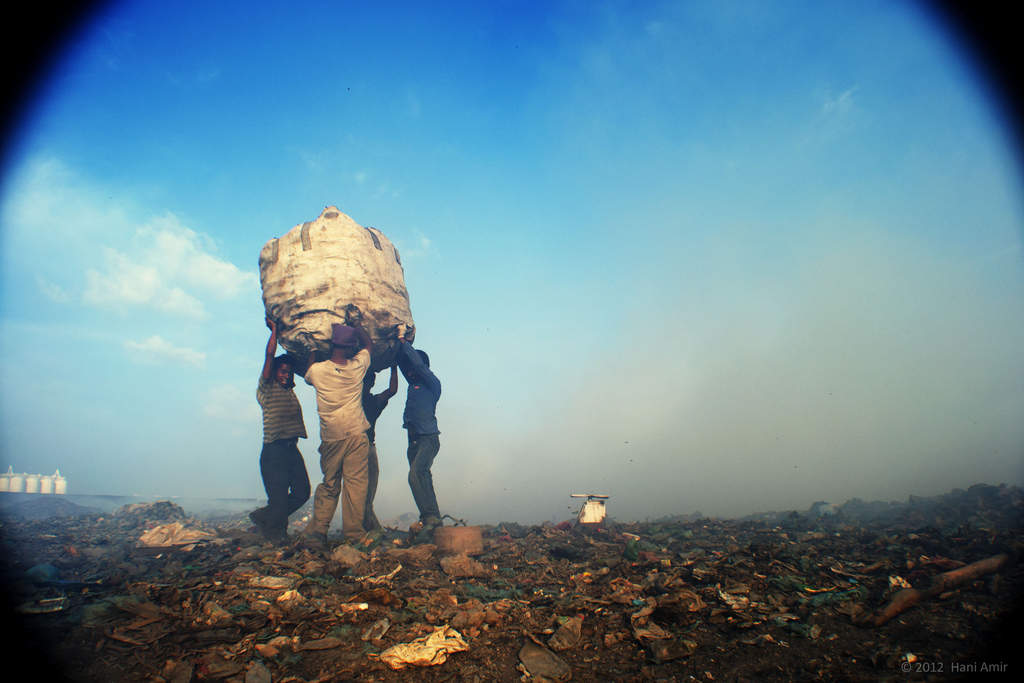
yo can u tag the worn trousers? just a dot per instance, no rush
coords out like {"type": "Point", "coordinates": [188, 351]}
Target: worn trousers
{"type": "Point", "coordinates": [286, 482]}
{"type": "Point", "coordinates": [370, 521]}
{"type": "Point", "coordinates": [344, 465]}
{"type": "Point", "coordinates": [422, 451]}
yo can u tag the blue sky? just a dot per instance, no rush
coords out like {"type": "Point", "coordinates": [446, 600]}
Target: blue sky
{"type": "Point", "coordinates": [716, 256]}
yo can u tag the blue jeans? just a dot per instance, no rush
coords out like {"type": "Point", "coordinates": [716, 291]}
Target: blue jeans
{"type": "Point", "coordinates": [422, 451]}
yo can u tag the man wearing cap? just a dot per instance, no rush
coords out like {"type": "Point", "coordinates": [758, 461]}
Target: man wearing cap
{"type": "Point", "coordinates": [343, 443]}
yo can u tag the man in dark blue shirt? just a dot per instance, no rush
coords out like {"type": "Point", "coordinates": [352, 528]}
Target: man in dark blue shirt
{"type": "Point", "coordinates": [421, 423]}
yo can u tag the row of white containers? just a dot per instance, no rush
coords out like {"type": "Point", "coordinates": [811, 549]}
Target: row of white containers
{"type": "Point", "coordinates": [33, 483]}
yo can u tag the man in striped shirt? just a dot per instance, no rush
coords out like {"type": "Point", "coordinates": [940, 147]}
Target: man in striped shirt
{"type": "Point", "coordinates": [281, 464]}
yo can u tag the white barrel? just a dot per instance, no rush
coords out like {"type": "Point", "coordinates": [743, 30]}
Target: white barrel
{"type": "Point", "coordinates": [31, 483]}
{"type": "Point", "coordinates": [46, 484]}
{"type": "Point", "coordinates": [5, 482]}
{"type": "Point", "coordinates": [60, 484]}
{"type": "Point", "coordinates": [17, 483]}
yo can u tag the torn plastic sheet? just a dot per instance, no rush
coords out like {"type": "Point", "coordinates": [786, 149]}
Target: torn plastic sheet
{"type": "Point", "coordinates": [174, 534]}
{"type": "Point", "coordinates": [429, 650]}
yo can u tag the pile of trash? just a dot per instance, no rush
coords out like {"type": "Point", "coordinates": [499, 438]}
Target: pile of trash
{"type": "Point", "coordinates": [820, 594]}
{"type": "Point", "coordinates": [141, 513]}
{"type": "Point", "coordinates": [42, 507]}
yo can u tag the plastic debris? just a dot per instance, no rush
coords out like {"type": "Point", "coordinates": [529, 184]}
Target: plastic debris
{"type": "Point", "coordinates": [273, 582]}
{"type": "Point", "coordinates": [290, 598]}
{"type": "Point", "coordinates": [542, 663]}
{"type": "Point", "coordinates": [347, 556]}
{"type": "Point", "coordinates": [161, 510]}
{"type": "Point", "coordinates": [319, 644]}
{"type": "Point", "coordinates": [790, 595]}
{"type": "Point", "coordinates": [898, 582]}
{"type": "Point", "coordinates": [462, 566]}
{"type": "Point", "coordinates": [349, 607]}
{"type": "Point", "coordinates": [429, 650]}
{"type": "Point", "coordinates": [567, 635]}
{"type": "Point", "coordinates": [174, 534]}
{"type": "Point", "coordinates": [377, 629]}
{"type": "Point", "coordinates": [668, 649]}
{"type": "Point", "coordinates": [382, 580]}
{"type": "Point", "coordinates": [255, 672]}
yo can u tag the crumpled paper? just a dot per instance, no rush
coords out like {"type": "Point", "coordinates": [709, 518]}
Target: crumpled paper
{"type": "Point", "coordinates": [429, 650]}
{"type": "Point", "coordinates": [174, 534]}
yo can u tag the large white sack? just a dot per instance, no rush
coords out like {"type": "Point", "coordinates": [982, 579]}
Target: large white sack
{"type": "Point", "coordinates": [311, 274]}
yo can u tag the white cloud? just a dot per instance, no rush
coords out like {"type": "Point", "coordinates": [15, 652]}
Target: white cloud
{"type": "Point", "coordinates": [126, 283]}
{"type": "Point", "coordinates": [841, 104]}
{"type": "Point", "coordinates": [45, 198]}
{"type": "Point", "coordinates": [52, 291]}
{"type": "Point", "coordinates": [421, 247]}
{"type": "Point", "coordinates": [178, 302]}
{"type": "Point", "coordinates": [180, 253]}
{"type": "Point", "coordinates": [837, 116]}
{"type": "Point", "coordinates": [156, 348]}
{"type": "Point", "coordinates": [229, 402]}
{"type": "Point", "coordinates": [158, 262]}
{"type": "Point", "coordinates": [316, 162]}
{"type": "Point", "coordinates": [386, 191]}
{"type": "Point", "coordinates": [382, 190]}
{"type": "Point", "coordinates": [166, 261]}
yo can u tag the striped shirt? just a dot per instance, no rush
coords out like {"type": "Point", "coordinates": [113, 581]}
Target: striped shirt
{"type": "Point", "coordinates": [282, 414]}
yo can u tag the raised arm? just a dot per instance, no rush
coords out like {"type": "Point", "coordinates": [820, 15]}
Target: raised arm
{"type": "Point", "coordinates": [393, 384]}
{"type": "Point", "coordinates": [416, 367]}
{"type": "Point", "coordinates": [354, 319]}
{"type": "Point", "coordinates": [364, 339]}
{"type": "Point", "coordinates": [268, 360]}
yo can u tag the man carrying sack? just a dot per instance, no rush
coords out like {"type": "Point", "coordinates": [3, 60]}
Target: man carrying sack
{"type": "Point", "coordinates": [343, 442]}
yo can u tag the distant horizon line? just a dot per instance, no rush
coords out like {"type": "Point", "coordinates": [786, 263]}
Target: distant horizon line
{"type": "Point", "coordinates": [125, 495]}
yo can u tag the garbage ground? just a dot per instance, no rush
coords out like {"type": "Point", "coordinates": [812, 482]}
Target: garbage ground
{"type": "Point", "coordinates": [927, 589]}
